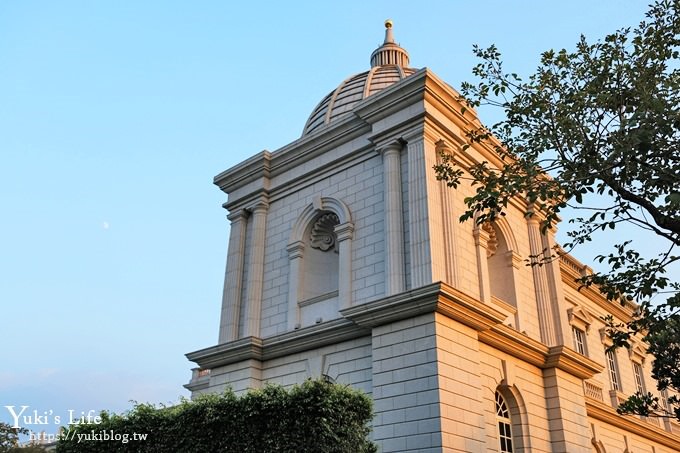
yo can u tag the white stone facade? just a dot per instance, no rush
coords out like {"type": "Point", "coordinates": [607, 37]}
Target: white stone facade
{"type": "Point", "coordinates": [346, 259]}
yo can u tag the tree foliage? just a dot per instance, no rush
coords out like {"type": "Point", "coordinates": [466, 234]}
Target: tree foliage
{"type": "Point", "coordinates": [9, 440]}
{"type": "Point", "coordinates": [9, 437]}
{"type": "Point", "coordinates": [316, 416]}
{"type": "Point", "coordinates": [596, 130]}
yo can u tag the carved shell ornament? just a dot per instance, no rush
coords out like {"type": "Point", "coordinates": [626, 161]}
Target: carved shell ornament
{"type": "Point", "coordinates": [492, 242]}
{"type": "Point", "coordinates": [323, 234]}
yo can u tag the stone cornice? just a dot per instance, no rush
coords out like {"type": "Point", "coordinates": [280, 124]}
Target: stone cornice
{"type": "Point", "coordinates": [572, 270]}
{"type": "Point", "coordinates": [437, 297]}
{"type": "Point", "coordinates": [443, 113]}
{"type": "Point", "coordinates": [515, 343]}
{"type": "Point", "coordinates": [434, 298]}
{"type": "Point", "coordinates": [311, 146]}
{"type": "Point", "coordinates": [196, 386]}
{"type": "Point", "coordinates": [284, 188]}
{"type": "Point", "coordinates": [247, 171]}
{"type": "Point", "coordinates": [518, 345]}
{"type": "Point", "coordinates": [311, 338]}
{"type": "Point", "coordinates": [468, 310]}
{"type": "Point", "coordinates": [441, 298]}
{"type": "Point", "coordinates": [266, 165]}
{"type": "Point", "coordinates": [352, 127]}
{"type": "Point", "coordinates": [447, 101]}
{"type": "Point", "coordinates": [600, 411]}
{"type": "Point", "coordinates": [566, 359]}
{"type": "Point", "coordinates": [248, 201]}
{"type": "Point", "coordinates": [277, 346]}
{"type": "Point", "coordinates": [232, 352]}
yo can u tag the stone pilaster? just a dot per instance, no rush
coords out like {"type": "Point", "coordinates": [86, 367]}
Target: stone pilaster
{"type": "Point", "coordinates": [253, 302]}
{"type": "Point", "coordinates": [448, 219]}
{"type": "Point", "coordinates": [545, 311]}
{"type": "Point", "coordinates": [569, 426]}
{"type": "Point", "coordinates": [558, 305]}
{"type": "Point", "coordinates": [233, 278]}
{"type": "Point", "coordinates": [344, 233]}
{"type": "Point", "coordinates": [394, 220]}
{"type": "Point", "coordinates": [419, 233]}
{"type": "Point", "coordinates": [482, 235]}
{"type": "Point", "coordinates": [295, 283]}
{"type": "Point", "coordinates": [426, 231]}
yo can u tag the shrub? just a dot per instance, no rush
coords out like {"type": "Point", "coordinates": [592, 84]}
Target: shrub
{"type": "Point", "coordinates": [314, 417]}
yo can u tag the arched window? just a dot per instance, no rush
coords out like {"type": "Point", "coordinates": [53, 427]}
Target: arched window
{"type": "Point", "coordinates": [504, 425]}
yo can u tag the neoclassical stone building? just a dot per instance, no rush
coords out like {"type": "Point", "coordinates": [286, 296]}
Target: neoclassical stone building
{"type": "Point", "coordinates": [347, 260]}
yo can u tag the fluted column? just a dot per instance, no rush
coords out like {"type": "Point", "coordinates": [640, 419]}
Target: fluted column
{"type": "Point", "coordinates": [344, 233]}
{"type": "Point", "coordinates": [448, 221]}
{"type": "Point", "coordinates": [253, 302]}
{"type": "Point", "coordinates": [419, 244]}
{"type": "Point", "coordinates": [545, 314]}
{"type": "Point", "coordinates": [394, 220]}
{"type": "Point", "coordinates": [295, 283]}
{"type": "Point", "coordinates": [558, 304]}
{"type": "Point", "coordinates": [233, 278]}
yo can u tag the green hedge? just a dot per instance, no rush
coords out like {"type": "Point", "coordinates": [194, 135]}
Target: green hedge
{"type": "Point", "coordinates": [314, 417]}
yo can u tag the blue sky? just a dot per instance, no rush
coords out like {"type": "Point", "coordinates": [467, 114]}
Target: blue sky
{"type": "Point", "coordinates": [115, 116]}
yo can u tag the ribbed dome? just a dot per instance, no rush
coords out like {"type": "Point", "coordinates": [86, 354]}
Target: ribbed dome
{"type": "Point", "coordinates": [389, 66]}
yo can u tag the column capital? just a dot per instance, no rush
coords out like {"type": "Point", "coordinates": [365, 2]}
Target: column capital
{"type": "Point", "coordinates": [413, 134]}
{"type": "Point", "coordinates": [514, 259]}
{"type": "Point", "coordinates": [295, 250]}
{"type": "Point", "coordinates": [390, 147]}
{"type": "Point", "coordinates": [259, 206]}
{"type": "Point", "coordinates": [537, 214]}
{"type": "Point", "coordinates": [533, 220]}
{"type": "Point", "coordinates": [443, 146]}
{"type": "Point", "coordinates": [237, 215]}
{"type": "Point", "coordinates": [344, 231]}
{"type": "Point", "coordinates": [485, 236]}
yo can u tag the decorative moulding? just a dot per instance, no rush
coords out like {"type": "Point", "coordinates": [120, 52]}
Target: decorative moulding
{"type": "Point", "coordinates": [317, 205]}
{"type": "Point", "coordinates": [492, 241]}
{"type": "Point", "coordinates": [637, 352]}
{"type": "Point", "coordinates": [605, 338]}
{"type": "Point", "coordinates": [322, 236]}
{"type": "Point", "coordinates": [437, 297]}
{"type": "Point", "coordinates": [572, 362]}
{"type": "Point", "coordinates": [569, 277]}
{"type": "Point", "coordinates": [247, 171]}
{"type": "Point", "coordinates": [254, 348]}
{"type": "Point", "coordinates": [605, 413]}
{"type": "Point", "coordinates": [517, 344]}
{"type": "Point", "coordinates": [321, 298]}
{"type": "Point", "coordinates": [580, 318]}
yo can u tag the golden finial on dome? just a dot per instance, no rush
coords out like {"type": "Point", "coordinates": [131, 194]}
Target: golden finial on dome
{"type": "Point", "coordinates": [390, 53]}
{"type": "Point", "coordinates": [389, 38]}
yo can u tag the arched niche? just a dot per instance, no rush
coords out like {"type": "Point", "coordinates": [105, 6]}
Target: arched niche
{"type": "Point", "coordinates": [499, 256]}
{"type": "Point", "coordinates": [498, 264]}
{"type": "Point", "coordinates": [320, 260]}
